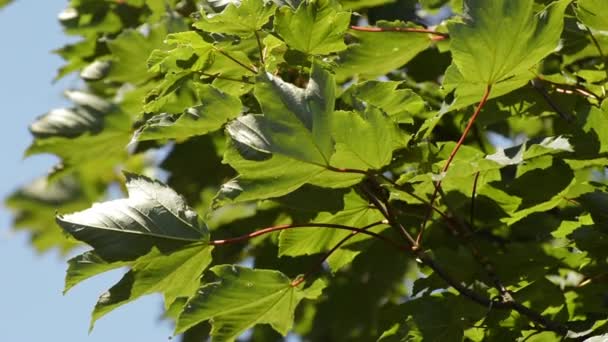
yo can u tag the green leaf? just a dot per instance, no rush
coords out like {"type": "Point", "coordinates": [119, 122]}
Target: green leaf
{"type": "Point", "coordinates": [244, 297]}
{"type": "Point", "coordinates": [124, 229]}
{"type": "Point", "coordinates": [175, 274]}
{"type": "Point", "coordinates": [486, 53]}
{"type": "Point", "coordinates": [364, 141]}
{"type": "Point", "coordinates": [298, 125]}
{"type": "Point", "coordinates": [287, 147]}
{"type": "Point", "coordinates": [316, 27]}
{"type": "Point", "coordinates": [374, 54]}
{"type": "Point", "coordinates": [241, 19]}
{"type": "Point", "coordinates": [129, 51]}
{"type": "Point", "coordinates": [593, 14]}
{"type": "Point", "coordinates": [401, 105]}
{"type": "Point", "coordinates": [213, 111]}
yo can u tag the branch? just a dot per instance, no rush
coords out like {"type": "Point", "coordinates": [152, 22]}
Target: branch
{"type": "Point", "coordinates": [438, 35]}
{"type": "Point", "coordinates": [483, 101]}
{"type": "Point", "coordinates": [303, 225]}
{"type": "Point", "coordinates": [507, 303]}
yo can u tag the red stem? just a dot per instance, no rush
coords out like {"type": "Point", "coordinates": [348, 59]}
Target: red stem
{"type": "Point", "coordinates": [483, 101]}
{"type": "Point", "coordinates": [439, 35]}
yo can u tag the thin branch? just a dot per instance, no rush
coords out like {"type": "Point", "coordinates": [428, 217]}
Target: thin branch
{"type": "Point", "coordinates": [251, 69]}
{"type": "Point", "coordinates": [345, 170]}
{"type": "Point", "coordinates": [541, 90]}
{"type": "Point", "coordinates": [438, 35]}
{"type": "Point", "coordinates": [473, 197]}
{"type": "Point", "coordinates": [483, 101]}
{"type": "Point", "coordinates": [570, 89]}
{"type": "Point", "coordinates": [219, 77]}
{"type": "Point", "coordinates": [599, 49]}
{"type": "Point", "coordinates": [301, 279]}
{"type": "Point", "coordinates": [261, 50]}
{"type": "Point", "coordinates": [303, 225]}
{"type": "Point", "coordinates": [387, 212]}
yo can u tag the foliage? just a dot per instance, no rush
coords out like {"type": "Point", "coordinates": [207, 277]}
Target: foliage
{"type": "Point", "coordinates": [337, 175]}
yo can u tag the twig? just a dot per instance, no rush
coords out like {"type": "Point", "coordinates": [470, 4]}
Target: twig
{"type": "Point", "coordinates": [563, 88]}
{"type": "Point", "coordinates": [257, 38]}
{"type": "Point", "coordinates": [300, 279]}
{"type": "Point", "coordinates": [438, 35]}
{"type": "Point", "coordinates": [219, 77]}
{"type": "Point", "coordinates": [303, 225]}
{"type": "Point", "coordinates": [251, 69]}
{"type": "Point", "coordinates": [541, 90]}
{"type": "Point", "coordinates": [483, 101]}
{"type": "Point", "coordinates": [599, 49]}
{"type": "Point", "coordinates": [473, 197]}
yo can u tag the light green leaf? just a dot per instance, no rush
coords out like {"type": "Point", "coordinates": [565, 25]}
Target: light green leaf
{"type": "Point", "coordinates": [364, 141]}
{"type": "Point", "coordinates": [175, 274]}
{"type": "Point", "coordinates": [214, 110]}
{"type": "Point", "coordinates": [374, 54]}
{"type": "Point", "coordinates": [124, 229]}
{"type": "Point", "coordinates": [593, 14]}
{"type": "Point", "coordinates": [241, 19]}
{"type": "Point", "coordinates": [245, 297]}
{"type": "Point", "coordinates": [85, 266]}
{"type": "Point", "coordinates": [317, 27]}
{"type": "Point", "coordinates": [498, 44]}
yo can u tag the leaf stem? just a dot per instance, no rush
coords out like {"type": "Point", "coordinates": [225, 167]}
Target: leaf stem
{"type": "Point", "coordinates": [438, 35]}
{"type": "Point", "coordinates": [301, 279]}
{"type": "Point", "coordinates": [483, 101]}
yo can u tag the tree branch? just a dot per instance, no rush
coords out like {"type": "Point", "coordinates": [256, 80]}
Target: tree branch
{"type": "Point", "coordinates": [303, 225]}
{"type": "Point", "coordinates": [483, 101]}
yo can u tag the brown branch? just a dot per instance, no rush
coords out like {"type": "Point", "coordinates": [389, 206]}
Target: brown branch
{"type": "Point", "coordinates": [483, 101]}
{"type": "Point", "coordinates": [437, 35]}
{"type": "Point", "coordinates": [570, 89]}
{"type": "Point", "coordinates": [303, 225]}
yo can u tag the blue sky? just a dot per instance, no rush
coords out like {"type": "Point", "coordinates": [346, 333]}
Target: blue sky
{"type": "Point", "coordinates": [32, 307]}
